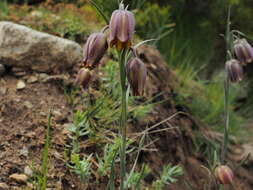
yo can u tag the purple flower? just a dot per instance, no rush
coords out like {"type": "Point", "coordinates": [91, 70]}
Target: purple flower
{"type": "Point", "coordinates": [136, 74]}
{"type": "Point", "coordinates": [94, 49]}
{"type": "Point", "coordinates": [121, 27]}
{"type": "Point", "coordinates": [234, 70]}
{"type": "Point", "coordinates": [83, 77]}
{"type": "Point", "coordinates": [243, 51]}
{"type": "Point", "coordinates": [224, 175]}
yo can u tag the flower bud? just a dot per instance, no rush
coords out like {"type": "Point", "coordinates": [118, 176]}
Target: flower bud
{"type": "Point", "coordinates": [83, 77]}
{"type": "Point", "coordinates": [121, 27]}
{"type": "Point", "coordinates": [243, 51]}
{"type": "Point", "coordinates": [234, 70]}
{"type": "Point", "coordinates": [224, 174]}
{"type": "Point", "coordinates": [94, 49]}
{"type": "Point", "coordinates": [136, 74]}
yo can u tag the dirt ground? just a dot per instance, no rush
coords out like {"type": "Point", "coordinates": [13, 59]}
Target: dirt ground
{"type": "Point", "coordinates": [23, 120]}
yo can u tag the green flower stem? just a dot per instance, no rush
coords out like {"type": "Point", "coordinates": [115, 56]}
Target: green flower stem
{"type": "Point", "coordinates": [226, 92]}
{"type": "Point", "coordinates": [123, 119]}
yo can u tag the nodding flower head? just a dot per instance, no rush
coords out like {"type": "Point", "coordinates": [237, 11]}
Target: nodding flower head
{"type": "Point", "coordinates": [83, 78]}
{"type": "Point", "coordinates": [243, 51]}
{"type": "Point", "coordinates": [94, 49]}
{"type": "Point", "coordinates": [224, 174]}
{"type": "Point", "coordinates": [234, 70]}
{"type": "Point", "coordinates": [136, 74]}
{"type": "Point", "coordinates": [121, 27]}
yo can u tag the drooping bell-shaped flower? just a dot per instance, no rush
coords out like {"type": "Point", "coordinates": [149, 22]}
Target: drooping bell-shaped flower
{"type": "Point", "coordinates": [136, 74]}
{"type": "Point", "coordinates": [224, 174]}
{"type": "Point", "coordinates": [83, 78]}
{"type": "Point", "coordinates": [234, 70]}
{"type": "Point", "coordinates": [94, 49]}
{"type": "Point", "coordinates": [243, 51]}
{"type": "Point", "coordinates": [121, 27]}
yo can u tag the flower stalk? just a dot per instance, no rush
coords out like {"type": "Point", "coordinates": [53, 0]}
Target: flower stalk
{"type": "Point", "coordinates": [123, 118]}
{"type": "Point", "coordinates": [226, 93]}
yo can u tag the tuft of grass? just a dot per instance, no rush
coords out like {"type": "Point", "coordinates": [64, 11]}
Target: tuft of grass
{"type": "Point", "coordinates": [205, 99]}
{"type": "Point", "coordinates": [41, 174]}
{"type": "Point", "coordinates": [168, 176]}
{"type": "Point", "coordinates": [3, 9]}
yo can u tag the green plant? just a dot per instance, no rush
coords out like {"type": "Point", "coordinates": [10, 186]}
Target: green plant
{"type": "Point", "coordinates": [134, 180]}
{"type": "Point", "coordinates": [41, 174]}
{"type": "Point", "coordinates": [3, 9]}
{"type": "Point", "coordinates": [168, 176]}
{"type": "Point", "coordinates": [109, 155]}
{"type": "Point", "coordinates": [80, 166]}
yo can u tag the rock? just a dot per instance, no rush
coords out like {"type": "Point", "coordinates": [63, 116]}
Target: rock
{"type": "Point", "coordinates": [20, 178]}
{"type": "Point", "coordinates": [4, 186]}
{"type": "Point", "coordinates": [20, 85]}
{"type": "Point", "coordinates": [28, 104]}
{"type": "Point", "coordinates": [23, 47]}
{"type": "Point", "coordinates": [43, 76]}
{"type": "Point", "coordinates": [2, 69]}
{"type": "Point", "coordinates": [24, 151]}
{"type": "Point", "coordinates": [3, 90]}
{"type": "Point", "coordinates": [28, 171]}
{"type": "Point", "coordinates": [18, 72]}
{"type": "Point", "coordinates": [32, 79]}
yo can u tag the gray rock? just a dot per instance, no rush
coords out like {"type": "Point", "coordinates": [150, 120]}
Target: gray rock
{"type": "Point", "coordinates": [21, 46]}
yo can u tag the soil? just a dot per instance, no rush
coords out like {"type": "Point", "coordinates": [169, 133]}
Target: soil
{"type": "Point", "coordinates": [24, 117]}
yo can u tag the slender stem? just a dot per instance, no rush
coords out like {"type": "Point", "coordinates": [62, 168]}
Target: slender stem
{"type": "Point", "coordinates": [226, 128]}
{"type": "Point", "coordinates": [123, 118]}
{"type": "Point", "coordinates": [226, 93]}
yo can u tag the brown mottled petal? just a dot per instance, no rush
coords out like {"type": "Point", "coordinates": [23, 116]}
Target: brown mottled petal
{"type": "Point", "coordinates": [131, 22]}
{"type": "Point", "coordinates": [234, 70]}
{"type": "Point", "coordinates": [239, 53]}
{"type": "Point", "coordinates": [123, 27]}
{"type": "Point", "coordinates": [249, 52]}
{"type": "Point", "coordinates": [92, 50]}
{"type": "Point", "coordinates": [113, 25]}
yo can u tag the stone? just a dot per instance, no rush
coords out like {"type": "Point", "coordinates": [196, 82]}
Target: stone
{"type": "Point", "coordinates": [20, 178]}
{"type": "Point", "coordinates": [43, 76]}
{"type": "Point", "coordinates": [4, 186]}
{"type": "Point", "coordinates": [28, 104]}
{"type": "Point", "coordinates": [2, 69]}
{"type": "Point", "coordinates": [28, 171]}
{"type": "Point", "coordinates": [20, 85]}
{"type": "Point", "coordinates": [18, 72]}
{"type": "Point", "coordinates": [3, 90]}
{"type": "Point", "coordinates": [32, 79]}
{"type": "Point", "coordinates": [24, 47]}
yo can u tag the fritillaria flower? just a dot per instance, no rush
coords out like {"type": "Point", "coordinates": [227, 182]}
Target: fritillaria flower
{"type": "Point", "coordinates": [243, 51]}
{"type": "Point", "coordinates": [94, 49]}
{"type": "Point", "coordinates": [224, 174]}
{"type": "Point", "coordinates": [83, 77]}
{"type": "Point", "coordinates": [136, 74]}
{"type": "Point", "coordinates": [234, 70]}
{"type": "Point", "coordinates": [121, 27]}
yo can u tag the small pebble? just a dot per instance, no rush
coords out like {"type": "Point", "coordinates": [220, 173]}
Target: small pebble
{"type": "Point", "coordinates": [32, 79]}
{"type": "Point", "coordinates": [28, 171]}
{"type": "Point", "coordinates": [28, 104]}
{"type": "Point", "coordinates": [18, 72]}
{"type": "Point", "coordinates": [20, 178]}
{"type": "Point", "coordinates": [4, 186]}
{"type": "Point", "coordinates": [20, 85]}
